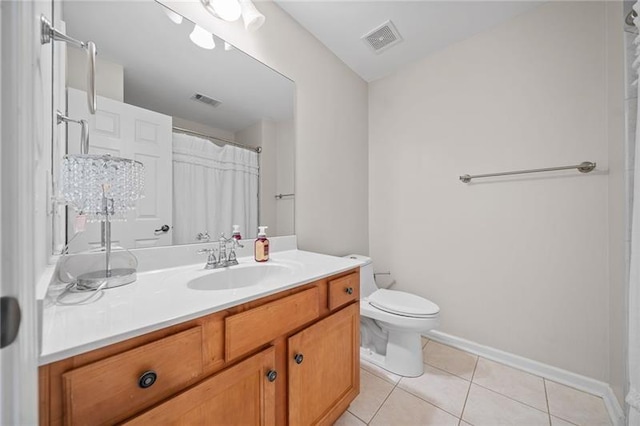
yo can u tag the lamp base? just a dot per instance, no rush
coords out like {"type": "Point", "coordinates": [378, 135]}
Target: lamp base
{"type": "Point", "coordinates": [91, 281]}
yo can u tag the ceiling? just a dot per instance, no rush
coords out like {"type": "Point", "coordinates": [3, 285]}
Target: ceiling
{"type": "Point", "coordinates": [425, 26]}
{"type": "Point", "coordinates": [163, 68]}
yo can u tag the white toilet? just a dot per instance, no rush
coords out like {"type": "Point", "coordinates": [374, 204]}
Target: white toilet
{"type": "Point", "coordinates": [391, 324]}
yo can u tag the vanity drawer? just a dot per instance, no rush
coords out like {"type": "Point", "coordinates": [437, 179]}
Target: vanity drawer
{"type": "Point", "coordinates": [111, 389]}
{"type": "Point", "coordinates": [344, 290]}
{"type": "Point", "coordinates": [248, 330]}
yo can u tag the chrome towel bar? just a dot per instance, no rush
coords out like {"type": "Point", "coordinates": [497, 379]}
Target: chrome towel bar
{"type": "Point", "coordinates": [584, 167]}
{"type": "Point", "coordinates": [84, 130]}
{"type": "Point", "coordinates": [49, 33]}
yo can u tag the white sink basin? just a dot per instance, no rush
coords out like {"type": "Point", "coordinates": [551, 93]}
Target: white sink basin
{"type": "Point", "coordinates": [234, 277]}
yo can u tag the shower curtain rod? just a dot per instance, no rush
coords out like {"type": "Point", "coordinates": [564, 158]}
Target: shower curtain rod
{"type": "Point", "coordinates": [212, 138]}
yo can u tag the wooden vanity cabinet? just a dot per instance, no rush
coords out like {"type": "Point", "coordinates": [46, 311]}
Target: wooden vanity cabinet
{"type": "Point", "coordinates": [289, 358]}
{"type": "Point", "coordinates": [244, 394]}
{"type": "Point", "coordinates": [324, 368]}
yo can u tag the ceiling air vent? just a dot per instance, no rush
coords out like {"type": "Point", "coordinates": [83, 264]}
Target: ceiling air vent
{"type": "Point", "coordinates": [199, 97]}
{"type": "Point", "coordinates": [382, 37]}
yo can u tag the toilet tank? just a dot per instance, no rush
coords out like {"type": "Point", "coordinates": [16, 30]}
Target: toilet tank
{"type": "Point", "coordinates": [367, 283]}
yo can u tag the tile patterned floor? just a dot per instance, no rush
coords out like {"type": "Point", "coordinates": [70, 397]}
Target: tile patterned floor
{"type": "Point", "coordinates": [462, 389]}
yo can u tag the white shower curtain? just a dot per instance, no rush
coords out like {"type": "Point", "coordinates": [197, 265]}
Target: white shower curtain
{"type": "Point", "coordinates": [633, 397]}
{"type": "Point", "coordinates": [214, 187]}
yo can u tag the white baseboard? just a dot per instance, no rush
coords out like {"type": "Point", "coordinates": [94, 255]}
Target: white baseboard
{"type": "Point", "coordinates": [546, 371]}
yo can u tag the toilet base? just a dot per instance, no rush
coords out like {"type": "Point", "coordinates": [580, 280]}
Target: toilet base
{"type": "Point", "coordinates": [404, 354]}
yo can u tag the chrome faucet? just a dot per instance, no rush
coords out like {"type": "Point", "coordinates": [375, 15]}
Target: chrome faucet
{"type": "Point", "coordinates": [223, 261]}
{"type": "Point", "coordinates": [226, 255]}
{"type": "Point", "coordinates": [203, 236]}
{"type": "Point", "coordinates": [231, 259]}
{"type": "Point", "coordinates": [227, 258]}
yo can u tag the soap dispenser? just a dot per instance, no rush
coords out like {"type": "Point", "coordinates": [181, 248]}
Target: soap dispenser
{"type": "Point", "coordinates": [261, 245]}
{"type": "Point", "coordinates": [236, 233]}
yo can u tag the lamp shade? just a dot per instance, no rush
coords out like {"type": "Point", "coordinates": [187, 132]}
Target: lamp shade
{"type": "Point", "coordinates": [87, 180]}
{"type": "Point", "coordinates": [172, 15]}
{"type": "Point", "coordinates": [202, 37]}
{"type": "Point", "coordinates": [251, 16]}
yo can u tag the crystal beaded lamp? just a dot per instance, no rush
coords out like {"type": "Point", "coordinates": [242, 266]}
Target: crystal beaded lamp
{"type": "Point", "coordinates": [103, 188]}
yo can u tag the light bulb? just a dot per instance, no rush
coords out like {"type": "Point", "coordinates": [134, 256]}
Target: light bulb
{"type": "Point", "coordinates": [227, 46]}
{"type": "Point", "coordinates": [229, 10]}
{"type": "Point", "coordinates": [251, 16]}
{"type": "Point", "coordinates": [202, 38]}
{"type": "Point", "coordinates": [172, 15]}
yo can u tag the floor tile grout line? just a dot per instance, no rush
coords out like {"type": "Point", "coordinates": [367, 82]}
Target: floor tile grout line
{"type": "Point", "coordinates": [385, 400]}
{"type": "Point", "coordinates": [429, 402]}
{"type": "Point", "coordinates": [354, 415]}
{"type": "Point", "coordinates": [508, 396]}
{"type": "Point", "coordinates": [456, 349]}
{"type": "Point", "coordinates": [546, 397]}
{"type": "Point", "coordinates": [470, 381]}
{"type": "Point", "coordinates": [449, 372]}
{"type": "Point", "coordinates": [361, 419]}
{"type": "Point", "coordinates": [576, 390]}
{"type": "Point", "coordinates": [489, 389]}
{"type": "Point", "coordinates": [379, 376]}
{"type": "Point", "coordinates": [550, 416]}
{"type": "Point", "coordinates": [468, 391]}
{"type": "Point", "coordinates": [511, 398]}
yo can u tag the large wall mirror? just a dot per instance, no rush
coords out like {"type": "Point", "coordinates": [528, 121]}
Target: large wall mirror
{"type": "Point", "coordinates": [213, 127]}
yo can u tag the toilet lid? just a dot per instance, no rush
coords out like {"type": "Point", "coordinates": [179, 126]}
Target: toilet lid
{"type": "Point", "coordinates": [401, 303]}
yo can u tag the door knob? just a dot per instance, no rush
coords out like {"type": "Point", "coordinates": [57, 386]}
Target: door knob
{"type": "Point", "coordinates": [163, 229]}
{"type": "Point", "coordinates": [272, 375]}
{"type": "Point", "coordinates": [349, 290]}
{"type": "Point", "coordinates": [10, 317]}
{"type": "Point", "coordinates": [298, 358]}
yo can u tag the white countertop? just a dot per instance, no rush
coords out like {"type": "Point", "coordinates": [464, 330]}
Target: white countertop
{"type": "Point", "coordinates": [161, 298]}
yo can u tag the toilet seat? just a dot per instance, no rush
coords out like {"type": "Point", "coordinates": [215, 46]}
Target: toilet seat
{"type": "Point", "coordinates": [401, 303]}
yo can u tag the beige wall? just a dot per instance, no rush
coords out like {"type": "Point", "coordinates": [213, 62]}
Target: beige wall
{"type": "Point", "coordinates": [617, 225]}
{"type": "Point", "coordinates": [285, 176]}
{"type": "Point", "coordinates": [520, 263]}
{"type": "Point", "coordinates": [276, 172]}
{"type": "Point", "coordinates": [331, 166]}
{"type": "Point", "coordinates": [263, 134]}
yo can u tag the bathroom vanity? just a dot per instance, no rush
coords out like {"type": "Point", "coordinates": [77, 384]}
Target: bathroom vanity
{"type": "Point", "coordinates": [269, 353]}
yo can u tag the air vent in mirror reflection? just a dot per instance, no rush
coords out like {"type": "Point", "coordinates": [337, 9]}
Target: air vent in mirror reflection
{"type": "Point", "coordinates": [207, 100]}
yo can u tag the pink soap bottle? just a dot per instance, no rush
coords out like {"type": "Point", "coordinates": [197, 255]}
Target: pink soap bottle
{"type": "Point", "coordinates": [261, 245]}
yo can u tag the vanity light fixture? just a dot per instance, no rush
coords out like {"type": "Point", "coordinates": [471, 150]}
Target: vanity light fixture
{"type": "Point", "coordinates": [202, 37]}
{"type": "Point", "coordinates": [251, 16]}
{"type": "Point", "coordinates": [175, 18]}
{"type": "Point", "coordinates": [228, 10]}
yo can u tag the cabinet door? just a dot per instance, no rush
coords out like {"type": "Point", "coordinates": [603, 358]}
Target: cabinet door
{"type": "Point", "coordinates": [324, 368]}
{"type": "Point", "coordinates": [241, 395]}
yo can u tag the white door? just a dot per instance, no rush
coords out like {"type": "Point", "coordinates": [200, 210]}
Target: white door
{"type": "Point", "coordinates": [127, 131]}
{"type": "Point", "coordinates": [25, 158]}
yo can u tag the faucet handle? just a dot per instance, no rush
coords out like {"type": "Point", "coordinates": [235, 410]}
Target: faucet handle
{"type": "Point", "coordinates": [236, 243]}
{"type": "Point", "coordinates": [203, 236]}
{"type": "Point", "coordinates": [211, 258]}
